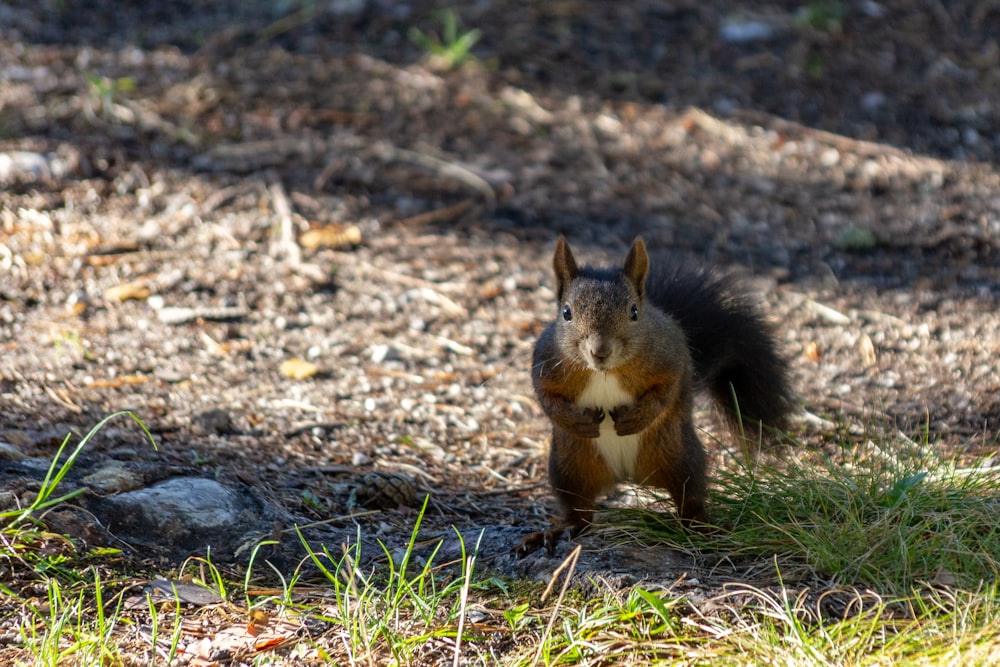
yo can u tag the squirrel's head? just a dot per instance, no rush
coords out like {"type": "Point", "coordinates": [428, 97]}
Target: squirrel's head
{"type": "Point", "coordinates": [600, 310]}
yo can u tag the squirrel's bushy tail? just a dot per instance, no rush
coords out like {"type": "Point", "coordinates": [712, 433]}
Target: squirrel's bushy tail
{"type": "Point", "coordinates": [732, 346]}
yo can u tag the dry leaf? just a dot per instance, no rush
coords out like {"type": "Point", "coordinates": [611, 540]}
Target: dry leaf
{"type": "Point", "coordinates": [298, 369]}
{"type": "Point", "coordinates": [272, 642]}
{"type": "Point", "coordinates": [331, 236]}
{"type": "Point", "coordinates": [812, 352]}
{"type": "Point", "coordinates": [259, 620]}
{"type": "Point", "coordinates": [126, 291]}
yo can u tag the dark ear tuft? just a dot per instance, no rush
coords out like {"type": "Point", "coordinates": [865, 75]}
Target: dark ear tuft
{"type": "Point", "coordinates": [565, 267]}
{"type": "Point", "coordinates": [637, 267]}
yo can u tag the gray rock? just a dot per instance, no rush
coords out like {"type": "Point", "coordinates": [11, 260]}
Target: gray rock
{"type": "Point", "coordinates": [184, 515]}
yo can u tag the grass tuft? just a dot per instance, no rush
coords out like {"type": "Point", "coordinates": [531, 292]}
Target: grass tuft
{"type": "Point", "coordinates": [451, 48]}
{"type": "Point", "coordinates": [889, 523]}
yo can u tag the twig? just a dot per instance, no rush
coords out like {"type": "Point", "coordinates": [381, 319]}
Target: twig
{"type": "Point", "coordinates": [463, 604]}
{"type": "Point", "coordinates": [391, 153]}
{"type": "Point", "coordinates": [62, 398]}
{"type": "Point", "coordinates": [570, 564]}
{"type": "Point", "coordinates": [446, 214]}
{"type": "Point", "coordinates": [829, 314]}
{"type": "Point", "coordinates": [287, 244]}
{"type": "Point", "coordinates": [181, 315]}
{"type": "Point", "coordinates": [727, 132]}
{"type": "Point", "coordinates": [286, 23]}
{"type": "Point", "coordinates": [433, 296]}
{"type": "Point", "coordinates": [223, 195]}
{"type": "Point", "coordinates": [425, 289]}
{"type": "Point", "coordinates": [401, 278]}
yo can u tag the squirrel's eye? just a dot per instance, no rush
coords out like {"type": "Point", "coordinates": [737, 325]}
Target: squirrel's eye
{"type": "Point", "coordinates": [567, 313]}
{"type": "Point", "coordinates": [633, 314]}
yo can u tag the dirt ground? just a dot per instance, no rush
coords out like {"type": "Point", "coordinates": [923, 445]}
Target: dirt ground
{"type": "Point", "coordinates": [196, 193]}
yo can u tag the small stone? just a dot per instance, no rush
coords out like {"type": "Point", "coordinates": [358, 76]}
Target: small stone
{"type": "Point", "coordinates": [379, 353]}
{"type": "Point", "coordinates": [9, 452]}
{"type": "Point", "coordinates": [741, 32]}
{"type": "Point", "coordinates": [218, 421]}
{"type": "Point", "coordinates": [873, 101]}
{"type": "Point", "coordinates": [16, 437]}
{"type": "Point", "coordinates": [24, 166]}
{"type": "Point", "coordinates": [872, 9]}
{"type": "Point", "coordinates": [8, 501]}
{"type": "Point", "coordinates": [382, 352]}
{"type": "Point", "coordinates": [830, 157]}
{"type": "Point", "coordinates": [113, 479]}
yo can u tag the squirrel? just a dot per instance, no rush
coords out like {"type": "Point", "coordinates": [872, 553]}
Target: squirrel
{"type": "Point", "coordinates": [617, 370]}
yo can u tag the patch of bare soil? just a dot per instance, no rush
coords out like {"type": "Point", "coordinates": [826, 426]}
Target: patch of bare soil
{"type": "Point", "coordinates": [196, 193]}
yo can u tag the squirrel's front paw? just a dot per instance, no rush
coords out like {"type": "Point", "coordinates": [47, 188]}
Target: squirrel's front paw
{"type": "Point", "coordinates": [628, 419]}
{"type": "Point", "coordinates": [535, 541]}
{"type": "Point", "coordinates": [586, 423]}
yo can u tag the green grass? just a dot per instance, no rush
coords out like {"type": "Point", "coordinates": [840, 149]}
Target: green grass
{"type": "Point", "coordinates": [890, 523]}
{"type": "Point", "coordinates": [888, 556]}
{"type": "Point", "coordinates": [385, 615]}
{"type": "Point", "coordinates": [872, 519]}
{"type": "Point", "coordinates": [451, 48]}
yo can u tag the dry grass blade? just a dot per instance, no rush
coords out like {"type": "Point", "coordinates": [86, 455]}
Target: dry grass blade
{"type": "Point", "coordinates": [569, 567]}
{"type": "Point", "coordinates": [462, 609]}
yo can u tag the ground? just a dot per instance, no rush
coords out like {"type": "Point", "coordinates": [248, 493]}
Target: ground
{"type": "Point", "coordinates": [197, 193]}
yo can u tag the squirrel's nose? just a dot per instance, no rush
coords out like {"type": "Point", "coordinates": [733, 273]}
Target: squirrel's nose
{"type": "Point", "coordinates": [599, 349]}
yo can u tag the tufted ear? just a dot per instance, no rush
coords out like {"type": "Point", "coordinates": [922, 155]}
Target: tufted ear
{"type": "Point", "coordinates": [565, 267]}
{"type": "Point", "coordinates": [637, 267]}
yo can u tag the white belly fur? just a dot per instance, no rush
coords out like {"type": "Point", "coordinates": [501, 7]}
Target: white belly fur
{"type": "Point", "coordinates": [619, 452]}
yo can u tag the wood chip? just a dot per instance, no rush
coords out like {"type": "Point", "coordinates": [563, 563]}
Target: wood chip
{"type": "Point", "coordinates": [172, 315]}
{"type": "Point", "coordinates": [867, 349]}
{"type": "Point", "coordinates": [120, 381]}
{"type": "Point", "coordinates": [126, 291]}
{"type": "Point", "coordinates": [339, 236]}
{"type": "Point", "coordinates": [298, 369]}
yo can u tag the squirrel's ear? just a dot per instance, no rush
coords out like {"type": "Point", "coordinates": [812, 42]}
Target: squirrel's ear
{"type": "Point", "coordinates": [565, 267]}
{"type": "Point", "coordinates": [637, 267]}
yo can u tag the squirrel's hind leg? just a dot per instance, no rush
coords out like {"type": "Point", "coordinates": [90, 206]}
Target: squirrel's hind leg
{"type": "Point", "coordinates": [685, 478]}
